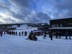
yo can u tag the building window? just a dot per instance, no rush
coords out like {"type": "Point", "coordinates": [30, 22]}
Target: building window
{"type": "Point", "coordinates": [61, 25]}
{"type": "Point", "coordinates": [55, 25]}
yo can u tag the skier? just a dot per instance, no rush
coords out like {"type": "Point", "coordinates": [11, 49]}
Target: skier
{"type": "Point", "coordinates": [50, 35]}
{"type": "Point", "coordinates": [19, 33]}
{"type": "Point", "coordinates": [25, 33]}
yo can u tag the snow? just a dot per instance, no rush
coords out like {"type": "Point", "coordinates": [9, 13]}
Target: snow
{"type": "Point", "coordinates": [22, 27]}
{"type": "Point", "coordinates": [25, 28]}
{"type": "Point", "coordinates": [10, 44]}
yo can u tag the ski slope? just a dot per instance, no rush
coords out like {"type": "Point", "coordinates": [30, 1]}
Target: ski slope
{"type": "Point", "coordinates": [10, 44]}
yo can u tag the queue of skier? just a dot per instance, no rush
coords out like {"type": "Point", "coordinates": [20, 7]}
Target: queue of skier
{"type": "Point", "coordinates": [32, 35]}
{"type": "Point", "coordinates": [21, 33]}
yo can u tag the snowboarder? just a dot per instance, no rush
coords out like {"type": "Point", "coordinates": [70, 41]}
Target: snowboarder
{"type": "Point", "coordinates": [32, 36]}
{"type": "Point", "coordinates": [31, 33]}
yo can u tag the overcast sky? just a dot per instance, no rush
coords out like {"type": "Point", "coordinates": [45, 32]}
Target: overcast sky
{"type": "Point", "coordinates": [19, 10]}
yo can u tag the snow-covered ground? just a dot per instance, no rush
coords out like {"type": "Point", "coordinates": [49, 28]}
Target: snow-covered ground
{"type": "Point", "coordinates": [10, 44]}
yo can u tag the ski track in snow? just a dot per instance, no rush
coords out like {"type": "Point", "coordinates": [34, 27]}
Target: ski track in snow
{"type": "Point", "coordinates": [19, 45]}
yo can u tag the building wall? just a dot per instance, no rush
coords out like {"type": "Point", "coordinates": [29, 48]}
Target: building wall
{"type": "Point", "coordinates": [61, 22]}
{"type": "Point", "coordinates": [58, 23]}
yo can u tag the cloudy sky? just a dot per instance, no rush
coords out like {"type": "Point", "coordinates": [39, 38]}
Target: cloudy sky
{"type": "Point", "coordinates": [34, 10]}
